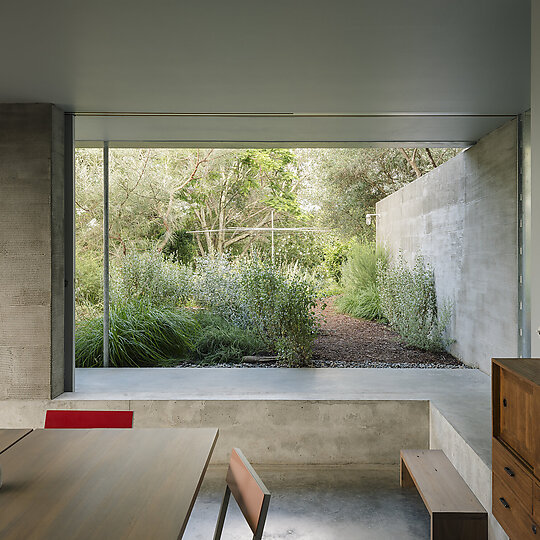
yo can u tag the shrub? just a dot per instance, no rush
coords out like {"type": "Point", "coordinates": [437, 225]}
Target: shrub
{"type": "Point", "coordinates": [89, 278]}
{"type": "Point", "coordinates": [139, 336]}
{"type": "Point", "coordinates": [180, 247]}
{"type": "Point", "coordinates": [216, 286]}
{"type": "Point", "coordinates": [409, 302]}
{"type": "Point", "coordinates": [148, 278]}
{"type": "Point", "coordinates": [335, 256]}
{"type": "Point", "coordinates": [219, 341]}
{"type": "Point", "coordinates": [360, 296]}
{"type": "Point", "coordinates": [364, 304]}
{"type": "Point", "coordinates": [280, 308]}
{"type": "Point", "coordinates": [274, 303]}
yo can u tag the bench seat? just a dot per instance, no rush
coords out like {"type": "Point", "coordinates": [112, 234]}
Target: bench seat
{"type": "Point", "coordinates": [455, 511]}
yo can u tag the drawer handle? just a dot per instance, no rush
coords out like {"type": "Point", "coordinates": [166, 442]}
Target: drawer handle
{"type": "Point", "coordinates": [504, 503]}
{"type": "Point", "coordinates": [534, 529]}
{"type": "Point", "coordinates": [505, 403]}
{"type": "Point", "coordinates": [509, 471]}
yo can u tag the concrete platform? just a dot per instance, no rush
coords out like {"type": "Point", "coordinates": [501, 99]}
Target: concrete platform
{"type": "Point", "coordinates": [461, 395]}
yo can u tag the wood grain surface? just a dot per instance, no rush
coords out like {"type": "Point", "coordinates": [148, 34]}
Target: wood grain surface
{"type": "Point", "coordinates": [439, 484]}
{"type": "Point", "coordinates": [8, 437]}
{"type": "Point", "coordinates": [102, 484]}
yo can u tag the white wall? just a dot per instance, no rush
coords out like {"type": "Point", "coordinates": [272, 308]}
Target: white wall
{"type": "Point", "coordinates": [462, 216]}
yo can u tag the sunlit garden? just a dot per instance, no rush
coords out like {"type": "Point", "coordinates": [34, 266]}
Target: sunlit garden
{"type": "Point", "coordinates": [243, 257]}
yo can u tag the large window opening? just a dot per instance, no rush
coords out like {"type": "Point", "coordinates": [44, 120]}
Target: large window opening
{"type": "Point", "coordinates": [262, 256]}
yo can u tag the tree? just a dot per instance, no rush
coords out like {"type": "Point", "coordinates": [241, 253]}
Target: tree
{"type": "Point", "coordinates": [155, 193]}
{"type": "Point", "coordinates": [240, 190]}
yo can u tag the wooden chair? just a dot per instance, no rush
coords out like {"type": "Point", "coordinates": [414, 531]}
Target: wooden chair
{"type": "Point", "coordinates": [249, 492]}
{"type": "Point", "coordinates": [57, 419]}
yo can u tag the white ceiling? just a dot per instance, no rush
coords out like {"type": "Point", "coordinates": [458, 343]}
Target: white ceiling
{"type": "Point", "coordinates": [387, 59]}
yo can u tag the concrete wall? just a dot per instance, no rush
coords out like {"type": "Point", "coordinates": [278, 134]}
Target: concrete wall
{"type": "Point", "coordinates": [462, 216]}
{"type": "Point", "coordinates": [31, 251]}
{"type": "Point", "coordinates": [269, 431]}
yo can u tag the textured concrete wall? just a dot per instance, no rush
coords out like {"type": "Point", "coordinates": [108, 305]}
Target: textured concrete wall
{"type": "Point", "coordinates": [463, 217]}
{"type": "Point", "coordinates": [269, 431]}
{"type": "Point", "coordinates": [31, 251]}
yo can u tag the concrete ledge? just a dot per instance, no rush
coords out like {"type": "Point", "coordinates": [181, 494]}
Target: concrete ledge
{"type": "Point", "coordinates": [273, 432]}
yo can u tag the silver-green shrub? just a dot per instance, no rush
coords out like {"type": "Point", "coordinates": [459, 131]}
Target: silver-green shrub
{"type": "Point", "coordinates": [148, 278]}
{"type": "Point", "coordinates": [409, 303]}
{"type": "Point", "coordinates": [275, 303]}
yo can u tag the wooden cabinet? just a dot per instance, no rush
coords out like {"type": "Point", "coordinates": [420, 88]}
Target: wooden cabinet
{"type": "Point", "coordinates": [516, 446]}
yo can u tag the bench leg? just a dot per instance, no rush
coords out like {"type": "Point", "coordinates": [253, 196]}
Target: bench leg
{"type": "Point", "coordinates": [405, 479]}
{"type": "Point", "coordinates": [451, 527]}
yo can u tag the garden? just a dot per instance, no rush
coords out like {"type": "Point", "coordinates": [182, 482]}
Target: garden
{"type": "Point", "coordinates": [252, 257]}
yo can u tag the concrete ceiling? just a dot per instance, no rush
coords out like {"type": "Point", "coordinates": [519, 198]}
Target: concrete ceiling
{"type": "Point", "coordinates": [374, 68]}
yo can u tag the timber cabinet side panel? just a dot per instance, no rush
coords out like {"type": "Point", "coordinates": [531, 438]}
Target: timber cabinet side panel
{"type": "Point", "coordinates": [516, 415]}
{"type": "Point", "coordinates": [516, 445]}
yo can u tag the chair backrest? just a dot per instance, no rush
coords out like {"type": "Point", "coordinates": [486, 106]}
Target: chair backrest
{"type": "Point", "coordinates": [251, 495]}
{"type": "Point", "coordinates": [57, 419]}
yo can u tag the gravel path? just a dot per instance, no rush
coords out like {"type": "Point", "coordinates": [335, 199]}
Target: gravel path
{"type": "Point", "coordinates": [345, 341]}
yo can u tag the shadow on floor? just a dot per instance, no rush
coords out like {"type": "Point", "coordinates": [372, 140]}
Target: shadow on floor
{"type": "Point", "coordinates": [319, 503]}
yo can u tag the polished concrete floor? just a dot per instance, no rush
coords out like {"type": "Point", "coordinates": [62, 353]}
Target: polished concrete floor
{"type": "Point", "coordinates": [316, 503]}
{"type": "Point", "coordinates": [462, 395]}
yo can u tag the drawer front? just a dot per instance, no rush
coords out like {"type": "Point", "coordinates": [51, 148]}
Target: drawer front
{"type": "Point", "coordinates": [516, 415]}
{"type": "Point", "coordinates": [513, 517]}
{"type": "Point", "coordinates": [536, 503]}
{"type": "Point", "coordinates": [508, 468]}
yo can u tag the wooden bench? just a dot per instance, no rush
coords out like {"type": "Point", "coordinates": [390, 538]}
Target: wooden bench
{"type": "Point", "coordinates": [456, 514]}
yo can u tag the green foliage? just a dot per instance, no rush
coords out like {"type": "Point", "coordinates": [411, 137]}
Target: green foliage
{"type": "Point", "coordinates": [139, 336]}
{"type": "Point", "coordinates": [276, 304]}
{"type": "Point", "coordinates": [360, 296]}
{"type": "Point", "coordinates": [335, 254]}
{"type": "Point", "coordinates": [89, 277]}
{"type": "Point", "coordinates": [180, 247]}
{"type": "Point", "coordinates": [219, 341]}
{"type": "Point", "coordinates": [409, 302]}
{"type": "Point", "coordinates": [280, 308]}
{"type": "Point", "coordinates": [364, 303]}
{"type": "Point", "coordinates": [88, 285]}
{"type": "Point", "coordinates": [302, 247]}
{"type": "Point", "coordinates": [148, 278]}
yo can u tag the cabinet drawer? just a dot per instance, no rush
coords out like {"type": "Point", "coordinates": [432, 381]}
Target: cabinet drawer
{"type": "Point", "coordinates": [508, 468]}
{"type": "Point", "coordinates": [512, 516]}
{"type": "Point", "coordinates": [516, 415]}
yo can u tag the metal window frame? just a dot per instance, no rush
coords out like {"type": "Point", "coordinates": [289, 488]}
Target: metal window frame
{"type": "Point", "coordinates": [524, 176]}
{"type": "Point", "coordinates": [69, 252]}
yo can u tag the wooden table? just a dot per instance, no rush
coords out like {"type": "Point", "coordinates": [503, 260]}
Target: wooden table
{"type": "Point", "coordinates": [103, 484]}
{"type": "Point", "coordinates": [8, 437]}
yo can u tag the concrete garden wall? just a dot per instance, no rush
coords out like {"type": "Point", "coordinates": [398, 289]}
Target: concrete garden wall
{"type": "Point", "coordinates": [462, 216]}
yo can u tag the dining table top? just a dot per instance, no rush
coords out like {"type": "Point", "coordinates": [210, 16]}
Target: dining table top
{"type": "Point", "coordinates": [102, 483]}
{"type": "Point", "coordinates": [9, 437]}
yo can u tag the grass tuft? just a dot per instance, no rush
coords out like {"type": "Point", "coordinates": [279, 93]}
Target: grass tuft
{"type": "Point", "coordinates": [139, 336]}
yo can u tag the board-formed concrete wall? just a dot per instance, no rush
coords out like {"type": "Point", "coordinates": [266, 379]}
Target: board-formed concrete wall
{"type": "Point", "coordinates": [462, 217]}
{"type": "Point", "coordinates": [31, 251]}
